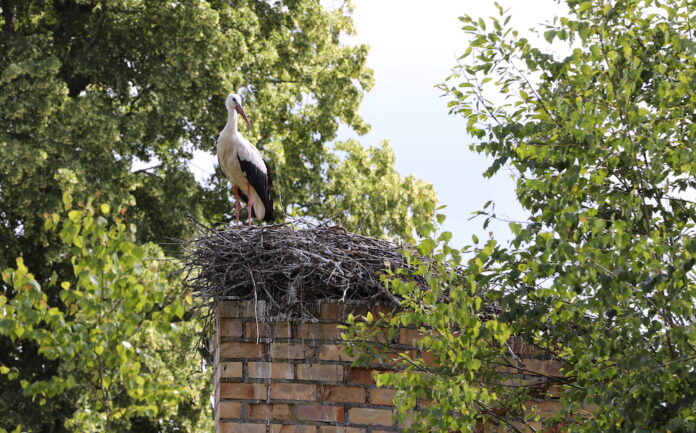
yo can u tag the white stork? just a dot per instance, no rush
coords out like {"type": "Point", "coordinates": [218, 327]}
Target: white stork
{"type": "Point", "coordinates": [243, 166]}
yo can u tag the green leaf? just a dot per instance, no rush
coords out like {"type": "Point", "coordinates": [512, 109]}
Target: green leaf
{"type": "Point", "coordinates": [584, 6]}
{"type": "Point", "coordinates": [67, 200]}
{"type": "Point", "coordinates": [75, 215]}
{"type": "Point", "coordinates": [426, 246]}
{"type": "Point", "coordinates": [515, 228]}
{"type": "Point", "coordinates": [549, 35]}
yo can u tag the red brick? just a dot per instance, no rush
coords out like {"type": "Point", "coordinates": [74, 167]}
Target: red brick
{"type": "Point", "coordinates": [319, 331]}
{"type": "Point", "coordinates": [243, 391]}
{"type": "Point", "coordinates": [360, 415]}
{"type": "Point", "coordinates": [587, 410]}
{"type": "Point", "coordinates": [541, 367]}
{"type": "Point", "coordinates": [293, 391]}
{"type": "Point", "coordinates": [331, 310]}
{"type": "Point", "coordinates": [290, 351]}
{"type": "Point", "coordinates": [382, 309]}
{"type": "Point", "coordinates": [409, 336]}
{"type": "Point", "coordinates": [235, 427]}
{"type": "Point", "coordinates": [391, 359]}
{"type": "Point", "coordinates": [408, 422]}
{"type": "Point", "coordinates": [358, 311]}
{"type": "Point", "coordinates": [505, 369]}
{"type": "Point", "coordinates": [322, 372]}
{"type": "Point", "coordinates": [230, 369]}
{"type": "Point", "coordinates": [230, 328]}
{"type": "Point", "coordinates": [544, 408]}
{"type": "Point", "coordinates": [234, 349]}
{"type": "Point", "coordinates": [332, 352]}
{"type": "Point", "coordinates": [270, 370]}
{"type": "Point", "coordinates": [541, 387]}
{"type": "Point", "coordinates": [428, 357]}
{"type": "Point", "coordinates": [320, 412]}
{"type": "Point", "coordinates": [229, 409]}
{"type": "Point", "coordinates": [521, 347]}
{"type": "Point", "coordinates": [270, 411]}
{"type": "Point", "coordinates": [345, 394]}
{"type": "Point", "coordinates": [382, 336]}
{"type": "Point", "coordinates": [279, 428]}
{"type": "Point", "coordinates": [268, 329]}
{"type": "Point", "coordinates": [555, 391]}
{"type": "Point", "coordinates": [340, 429]}
{"type": "Point", "coordinates": [539, 426]}
{"type": "Point", "coordinates": [360, 375]}
{"type": "Point", "coordinates": [237, 309]}
{"type": "Point", "coordinates": [513, 381]}
{"type": "Point", "coordinates": [383, 396]}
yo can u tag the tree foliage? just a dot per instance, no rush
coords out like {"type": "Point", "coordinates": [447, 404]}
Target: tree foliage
{"type": "Point", "coordinates": [601, 276]}
{"type": "Point", "coordinates": [95, 87]}
{"type": "Point", "coordinates": [459, 385]}
{"type": "Point", "coordinates": [113, 97]}
{"type": "Point", "coordinates": [365, 180]}
{"type": "Point", "coordinates": [117, 334]}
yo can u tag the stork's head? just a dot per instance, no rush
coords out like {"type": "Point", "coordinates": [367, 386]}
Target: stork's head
{"type": "Point", "coordinates": [234, 103]}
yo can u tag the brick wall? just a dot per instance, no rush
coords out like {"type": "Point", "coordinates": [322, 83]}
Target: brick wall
{"type": "Point", "coordinates": [295, 377]}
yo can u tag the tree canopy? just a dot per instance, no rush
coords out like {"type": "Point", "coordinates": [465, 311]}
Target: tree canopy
{"type": "Point", "coordinates": [95, 87]}
{"type": "Point", "coordinates": [111, 98]}
{"type": "Point", "coordinates": [601, 276]}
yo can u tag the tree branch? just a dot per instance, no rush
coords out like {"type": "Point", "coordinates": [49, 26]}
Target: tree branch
{"type": "Point", "coordinates": [8, 15]}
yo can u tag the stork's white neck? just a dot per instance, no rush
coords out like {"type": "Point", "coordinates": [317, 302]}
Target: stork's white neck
{"type": "Point", "coordinates": [231, 121]}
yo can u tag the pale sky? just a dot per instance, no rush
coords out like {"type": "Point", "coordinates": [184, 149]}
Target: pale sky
{"type": "Point", "coordinates": [413, 47]}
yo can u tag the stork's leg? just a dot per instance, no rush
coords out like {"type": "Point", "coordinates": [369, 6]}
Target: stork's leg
{"type": "Point", "coordinates": [237, 204]}
{"type": "Point", "coordinates": [250, 204]}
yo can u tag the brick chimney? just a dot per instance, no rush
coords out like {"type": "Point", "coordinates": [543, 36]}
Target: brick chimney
{"type": "Point", "coordinates": [292, 376]}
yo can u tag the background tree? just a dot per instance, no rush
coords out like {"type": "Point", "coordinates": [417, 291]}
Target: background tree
{"type": "Point", "coordinates": [365, 180]}
{"type": "Point", "coordinates": [98, 86]}
{"type": "Point", "coordinates": [89, 89]}
{"type": "Point", "coordinates": [602, 275]}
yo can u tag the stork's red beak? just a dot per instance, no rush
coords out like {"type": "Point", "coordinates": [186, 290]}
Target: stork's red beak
{"type": "Point", "coordinates": [240, 110]}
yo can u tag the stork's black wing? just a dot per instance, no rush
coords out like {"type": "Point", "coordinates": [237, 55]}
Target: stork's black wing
{"type": "Point", "coordinates": [261, 182]}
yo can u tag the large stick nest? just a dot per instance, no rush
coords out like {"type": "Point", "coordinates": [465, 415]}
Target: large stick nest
{"type": "Point", "coordinates": [290, 265]}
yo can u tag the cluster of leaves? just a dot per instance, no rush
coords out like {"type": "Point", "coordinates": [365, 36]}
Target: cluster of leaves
{"type": "Point", "coordinates": [602, 274]}
{"type": "Point", "coordinates": [116, 330]}
{"type": "Point", "coordinates": [114, 96]}
{"type": "Point", "coordinates": [458, 385]}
